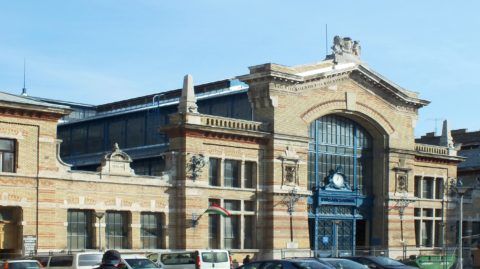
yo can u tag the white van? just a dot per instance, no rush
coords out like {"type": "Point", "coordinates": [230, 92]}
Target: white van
{"type": "Point", "coordinates": [79, 260]}
{"type": "Point", "coordinates": [195, 259]}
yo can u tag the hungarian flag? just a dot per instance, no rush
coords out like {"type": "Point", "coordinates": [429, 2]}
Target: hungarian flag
{"type": "Point", "coordinates": [216, 209]}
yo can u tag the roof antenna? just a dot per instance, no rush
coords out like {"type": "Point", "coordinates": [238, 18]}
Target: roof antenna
{"type": "Point", "coordinates": [24, 90]}
{"type": "Point", "coordinates": [326, 40]}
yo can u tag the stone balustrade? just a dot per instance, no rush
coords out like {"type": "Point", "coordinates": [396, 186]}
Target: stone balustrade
{"type": "Point", "coordinates": [245, 125]}
{"type": "Point", "coordinates": [432, 149]}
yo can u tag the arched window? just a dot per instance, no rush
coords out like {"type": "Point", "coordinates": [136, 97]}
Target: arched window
{"type": "Point", "coordinates": [338, 143]}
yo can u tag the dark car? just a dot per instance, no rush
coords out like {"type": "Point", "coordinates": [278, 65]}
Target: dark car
{"type": "Point", "coordinates": [286, 264]}
{"type": "Point", "coordinates": [379, 262]}
{"type": "Point", "coordinates": [339, 263]}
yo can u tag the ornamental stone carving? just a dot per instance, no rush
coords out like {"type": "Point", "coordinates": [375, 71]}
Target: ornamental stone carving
{"type": "Point", "coordinates": [116, 163]}
{"type": "Point", "coordinates": [345, 49]}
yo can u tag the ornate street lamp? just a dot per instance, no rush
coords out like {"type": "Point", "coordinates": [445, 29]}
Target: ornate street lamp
{"type": "Point", "coordinates": [290, 200]}
{"type": "Point", "coordinates": [99, 216]}
{"type": "Point", "coordinates": [460, 190]}
{"type": "Point", "coordinates": [401, 204]}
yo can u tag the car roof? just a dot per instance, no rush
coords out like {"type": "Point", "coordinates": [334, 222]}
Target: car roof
{"type": "Point", "coordinates": [133, 256]}
{"type": "Point", "coordinates": [15, 261]}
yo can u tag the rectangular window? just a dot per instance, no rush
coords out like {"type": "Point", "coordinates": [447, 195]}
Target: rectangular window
{"type": "Point", "coordinates": [79, 229]}
{"type": "Point", "coordinates": [231, 174]}
{"type": "Point", "coordinates": [248, 232]}
{"type": "Point", "coordinates": [7, 155]}
{"type": "Point", "coordinates": [439, 188]}
{"type": "Point", "coordinates": [214, 172]}
{"type": "Point", "coordinates": [231, 234]}
{"type": "Point", "coordinates": [427, 188]}
{"type": "Point", "coordinates": [249, 175]}
{"type": "Point", "coordinates": [117, 229]}
{"type": "Point", "coordinates": [426, 233]}
{"type": "Point", "coordinates": [232, 205]}
{"type": "Point", "coordinates": [213, 231]}
{"type": "Point", "coordinates": [249, 206]}
{"type": "Point", "coordinates": [438, 233]}
{"type": "Point", "coordinates": [151, 230]}
{"type": "Point", "coordinates": [418, 187]}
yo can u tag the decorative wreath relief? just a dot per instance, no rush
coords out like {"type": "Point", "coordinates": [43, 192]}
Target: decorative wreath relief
{"type": "Point", "coordinates": [195, 166]}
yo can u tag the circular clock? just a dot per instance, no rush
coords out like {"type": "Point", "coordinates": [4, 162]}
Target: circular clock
{"type": "Point", "coordinates": [338, 180]}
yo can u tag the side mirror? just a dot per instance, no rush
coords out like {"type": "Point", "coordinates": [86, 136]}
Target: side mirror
{"type": "Point", "coordinates": [122, 266]}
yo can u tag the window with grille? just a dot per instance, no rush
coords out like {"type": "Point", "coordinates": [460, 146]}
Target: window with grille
{"type": "Point", "coordinates": [79, 229]}
{"type": "Point", "coordinates": [117, 229]}
{"type": "Point", "coordinates": [151, 230]}
{"type": "Point", "coordinates": [337, 142]}
{"type": "Point", "coordinates": [7, 155]}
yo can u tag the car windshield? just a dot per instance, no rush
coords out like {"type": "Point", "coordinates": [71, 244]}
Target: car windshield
{"type": "Point", "coordinates": [89, 259]}
{"type": "Point", "coordinates": [140, 263]}
{"type": "Point", "coordinates": [23, 265]}
{"type": "Point", "coordinates": [384, 261]}
{"type": "Point", "coordinates": [344, 264]}
{"type": "Point", "coordinates": [309, 265]}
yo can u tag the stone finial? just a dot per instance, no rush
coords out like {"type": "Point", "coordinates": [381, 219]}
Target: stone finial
{"type": "Point", "coordinates": [116, 163]}
{"type": "Point", "coordinates": [188, 102]}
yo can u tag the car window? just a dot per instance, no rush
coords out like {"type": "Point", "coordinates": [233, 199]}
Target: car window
{"type": "Point", "coordinates": [153, 257]}
{"type": "Point", "coordinates": [89, 259]}
{"type": "Point", "coordinates": [178, 258]}
{"type": "Point", "coordinates": [309, 265]}
{"type": "Point", "coordinates": [61, 261]}
{"type": "Point", "coordinates": [24, 265]}
{"type": "Point", "coordinates": [221, 257]}
{"type": "Point", "coordinates": [214, 257]}
{"type": "Point", "coordinates": [272, 265]}
{"type": "Point", "coordinates": [252, 265]}
{"type": "Point", "coordinates": [384, 261]}
{"type": "Point", "coordinates": [140, 263]}
{"type": "Point", "coordinates": [43, 260]}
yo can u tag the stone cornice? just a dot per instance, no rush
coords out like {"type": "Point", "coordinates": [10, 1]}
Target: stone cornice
{"type": "Point", "coordinates": [32, 111]}
{"type": "Point", "coordinates": [287, 79]}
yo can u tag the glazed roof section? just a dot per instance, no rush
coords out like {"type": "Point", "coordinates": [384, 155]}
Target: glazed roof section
{"type": "Point", "coordinates": [203, 91]}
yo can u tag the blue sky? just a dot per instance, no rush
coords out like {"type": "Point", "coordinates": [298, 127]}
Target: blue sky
{"type": "Point", "coordinates": [107, 50]}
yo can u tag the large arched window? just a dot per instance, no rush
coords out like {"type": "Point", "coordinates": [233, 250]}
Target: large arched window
{"type": "Point", "coordinates": [337, 143]}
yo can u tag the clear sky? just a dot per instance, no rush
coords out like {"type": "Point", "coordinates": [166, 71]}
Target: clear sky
{"type": "Point", "coordinates": [101, 51]}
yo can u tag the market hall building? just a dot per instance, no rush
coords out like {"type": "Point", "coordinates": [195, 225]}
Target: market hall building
{"type": "Point", "coordinates": [315, 157]}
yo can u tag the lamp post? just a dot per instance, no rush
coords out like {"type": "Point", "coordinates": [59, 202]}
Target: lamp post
{"type": "Point", "coordinates": [290, 201]}
{"type": "Point", "coordinates": [403, 203]}
{"type": "Point", "coordinates": [460, 190]}
{"type": "Point", "coordinates": [99, 216]}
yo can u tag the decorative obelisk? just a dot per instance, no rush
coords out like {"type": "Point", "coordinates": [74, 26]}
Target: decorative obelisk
{"type": "Point", "coordinates": [187, 106]}
{"type": "Point", "coordinates": [446, 139]}
{"type": "Point", "coordinates": [188, 102]}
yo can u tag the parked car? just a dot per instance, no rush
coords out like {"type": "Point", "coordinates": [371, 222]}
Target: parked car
{"type": "Point", "coordinates": [197, 259]}
{"type": "Point", "coordinates": [80, 260]}
{"type": "Point", "coordinates": [137, 262]}
{"type": "Point", "coordinates": [339, 263]}
{"type": "Point", "coordinates": [297, 263]}
{"type": "Point", "coordinates": [20, 264]}
{"type": "Point", "coordinates": [379, 262]}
